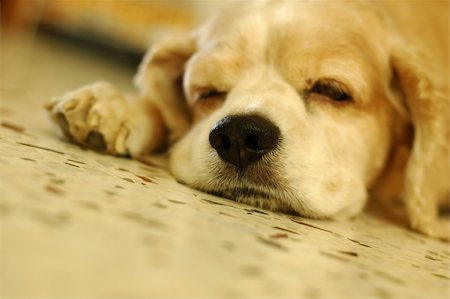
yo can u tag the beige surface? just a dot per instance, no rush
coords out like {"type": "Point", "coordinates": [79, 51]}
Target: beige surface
{"type": "Point", "coordinates": [77, 224]}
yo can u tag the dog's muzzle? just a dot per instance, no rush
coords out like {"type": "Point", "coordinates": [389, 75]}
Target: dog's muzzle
{"type": "Point", "coordinates": [242, 140]}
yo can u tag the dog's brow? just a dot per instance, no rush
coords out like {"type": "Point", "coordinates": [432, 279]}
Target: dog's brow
{"type": "Point", "coordinates": [216, 71]}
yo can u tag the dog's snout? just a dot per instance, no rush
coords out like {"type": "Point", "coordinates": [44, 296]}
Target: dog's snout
{"type": "Point", "coordinates": [243, 139]}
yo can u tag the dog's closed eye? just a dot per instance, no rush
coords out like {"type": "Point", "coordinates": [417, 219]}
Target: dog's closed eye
{"type": "Point", "coordinates": [210, 94]}
{"type": "Point", "coordinates": [206, 100]}
{"type": "Point", "coordinates": [330, 90]}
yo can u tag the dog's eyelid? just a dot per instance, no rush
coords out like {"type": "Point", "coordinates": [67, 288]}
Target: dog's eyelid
{"type": "Point", "coordinates": [208, 93]}
{"type": "Point", "coordinates": [332, 89]}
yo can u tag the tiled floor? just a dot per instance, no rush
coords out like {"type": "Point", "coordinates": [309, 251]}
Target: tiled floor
{"type": "Point", "coordinates": [77, 224]}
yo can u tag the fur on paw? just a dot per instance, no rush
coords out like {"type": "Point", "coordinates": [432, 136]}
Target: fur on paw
{"type": "Point", "coordinates": [100, 117]}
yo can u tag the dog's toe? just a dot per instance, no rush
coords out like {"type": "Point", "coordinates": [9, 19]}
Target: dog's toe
{"type": "Point", "coordinates": [95, 141]}
{"type": "Point", "coordinates": [63, 125]}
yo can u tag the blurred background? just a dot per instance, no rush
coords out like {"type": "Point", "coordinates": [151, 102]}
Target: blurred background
{"type": "Point", "coordinates": [49, 47]}
{"type": "Point", "coordinates": [124, 28]}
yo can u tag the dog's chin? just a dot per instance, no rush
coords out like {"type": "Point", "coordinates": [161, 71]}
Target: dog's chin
{"type": "Point", "coordinates": [260, 186]}
{"type": "Point", "coordinates": [257, 196]}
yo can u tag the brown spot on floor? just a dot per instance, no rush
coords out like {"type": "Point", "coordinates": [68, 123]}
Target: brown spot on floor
{"type": "Point", "coordinates": [54, 190]}
{"type": "Point", "coordinates": [14, 127]}
{"type": "Point", "coordinates": [41, 148]}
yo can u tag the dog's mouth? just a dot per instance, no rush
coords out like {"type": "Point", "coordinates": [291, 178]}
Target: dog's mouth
{"type": "Point", "coordinates": [263, 197]}
{"type": "Point", "coordinates": [263, 184]}
{"type": "Point", "coordinates": [259, 186]}
{"type": "Point", "coordinates": [243, 192]}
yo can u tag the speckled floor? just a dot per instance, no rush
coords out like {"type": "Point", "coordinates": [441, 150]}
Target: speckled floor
{"type": "Point", "coordinates": [77, 224]}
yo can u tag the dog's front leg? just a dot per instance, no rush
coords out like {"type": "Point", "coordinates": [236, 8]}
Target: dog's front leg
{"type": "Point", "coordinates": [100, 116]}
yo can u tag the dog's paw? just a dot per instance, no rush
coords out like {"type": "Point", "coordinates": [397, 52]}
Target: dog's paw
{"type": "Point", "coordinates": [439, 229]}
{"type": "Point", "coordinates": [99, 116]}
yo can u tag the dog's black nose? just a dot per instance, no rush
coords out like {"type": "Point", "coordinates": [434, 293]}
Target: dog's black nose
{"type": "Point", "coordinates": [243, 139]}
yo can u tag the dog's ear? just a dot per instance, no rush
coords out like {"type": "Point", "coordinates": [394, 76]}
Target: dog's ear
{"type": "Point", "coordinates": [424, 98]}
{"type": "Point", "coordinates": [159, 79]}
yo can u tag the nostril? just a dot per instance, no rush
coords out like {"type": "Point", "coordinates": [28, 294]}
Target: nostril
{"type": "Point", "coordinates": [261, 139]}
{"type": "Point", "coordinates": [225, 142]}
{"type": "Point", "coordinates": [220, 141]}
{"type": "Point", "coordinates": [252, 142]}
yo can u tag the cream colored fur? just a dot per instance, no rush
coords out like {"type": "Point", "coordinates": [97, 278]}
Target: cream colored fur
{"type": "Point", "coordinates": [392, 140]}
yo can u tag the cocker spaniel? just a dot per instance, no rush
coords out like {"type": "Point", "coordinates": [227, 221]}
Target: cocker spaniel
{"type": "Point", "coordinates": [301, 107]}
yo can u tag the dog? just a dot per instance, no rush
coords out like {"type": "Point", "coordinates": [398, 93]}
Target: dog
{"type": "Point", "coordinates": [300, 107]}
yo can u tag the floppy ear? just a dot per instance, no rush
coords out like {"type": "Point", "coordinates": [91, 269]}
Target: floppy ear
{"type": "Point", "coordinates": [159, 79]}
{"type": "Point", "coordinates": [425, 98]}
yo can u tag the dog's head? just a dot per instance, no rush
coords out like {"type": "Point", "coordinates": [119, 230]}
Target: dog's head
{"type": "Point", "coordinates": [288, 106]}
